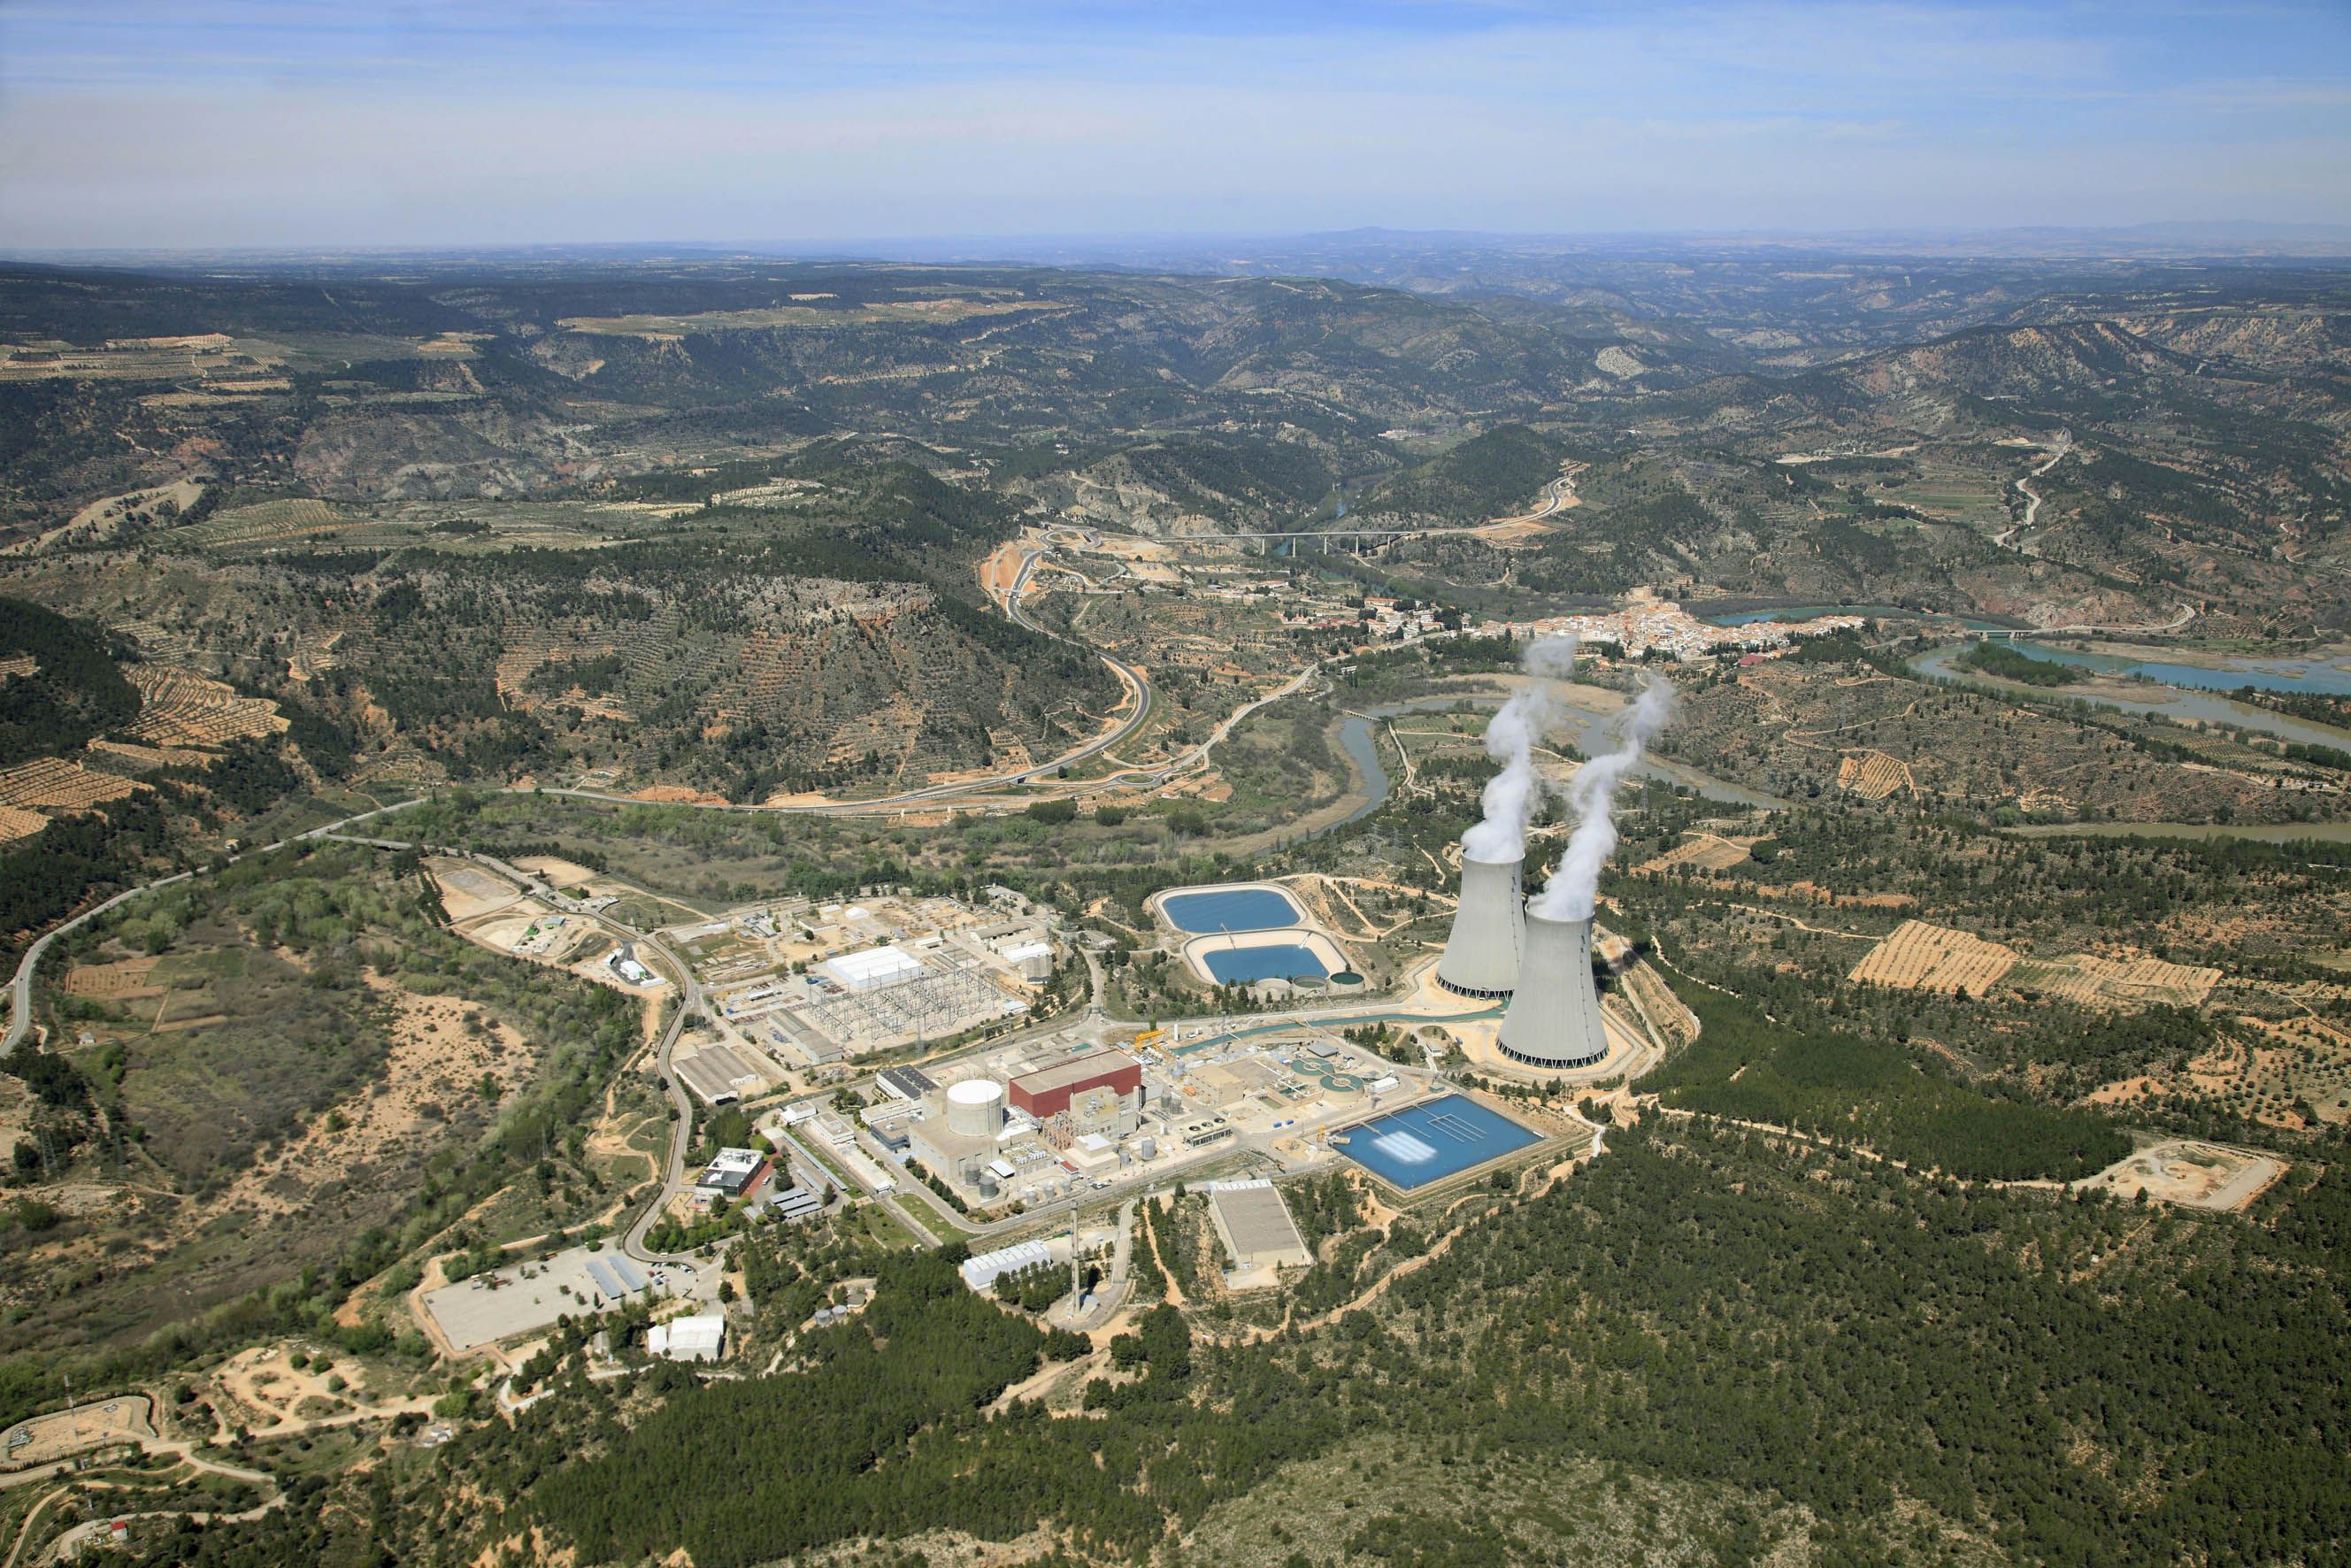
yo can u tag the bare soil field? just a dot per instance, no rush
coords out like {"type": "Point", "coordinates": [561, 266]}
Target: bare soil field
{"type": "Point", "coordinates": [47, 1438]}
{"type": "Point", "coordinates": [441, 1048]}
{"type": "Point", "coordinates": [555, 872]}
{"type": "Point", "coordinates": [1924, 957]}
{"type": "Point", "coordinates": [2193, 1174]}
{"type": "Point", "coordinates": [467, 891]}
{"type": "Point", "coordinates": [108, 516]}
{"type": "Point", "coordinates": [16, 822]}
{"type": "Point", "coordinates": [264, 1383]}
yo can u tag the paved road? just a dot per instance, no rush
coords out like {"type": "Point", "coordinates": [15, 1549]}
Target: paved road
{"type": "Point", "coordinates": [2032, 500]}
{"type": "Point", "coordinates": [691, 1004]}
{"type": "Point", "coordinates": [20, 1008]}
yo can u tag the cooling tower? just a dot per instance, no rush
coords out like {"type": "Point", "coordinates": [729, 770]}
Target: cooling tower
{"type": "Point", "coordinates": [1554, 1017]}
{"type": "Point", "coordinates": [1481, 955]}
{"type": "Point", "coordinates": [975, 1108]}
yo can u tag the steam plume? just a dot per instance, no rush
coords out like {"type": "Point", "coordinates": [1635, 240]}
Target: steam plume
{"type": "Point", "coordinates": [1574, 887]}
{"type": "Point", "coordinates": [1512, 795]}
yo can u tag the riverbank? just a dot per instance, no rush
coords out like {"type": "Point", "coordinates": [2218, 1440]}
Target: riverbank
{"type": "Point", "coordinates": [2147, 695]}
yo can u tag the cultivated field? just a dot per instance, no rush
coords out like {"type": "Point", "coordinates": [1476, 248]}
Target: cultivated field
{"type": "Point", "coordinates": [1917, 957]}
{"type": "Point", "coordinates": [1874, 776]}
{"type": "Point", "coordinates": [293, 518]}
{"type": "Point", "coordinates": [132, 979]}
{"type": "Point", "coordinates": [1700, 851]}
{"type": "Point", "coordinates": [146, 758]}
{"type": "Point", "coordinates": [48, 783]}
{"type": "Point", "coordinates": [176, 708]}
{"type": "Point", "coordinates": [2088, 980]}
{"type": "Point", "coordinates": [18, 823]}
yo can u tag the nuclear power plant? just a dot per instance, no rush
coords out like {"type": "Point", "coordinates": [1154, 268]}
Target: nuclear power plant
{"type": "Point", "coordinates": [1553, 1020]}
{"type": "Point", "coordinates": [1481, 954]}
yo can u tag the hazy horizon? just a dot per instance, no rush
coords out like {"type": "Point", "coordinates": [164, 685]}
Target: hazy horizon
{"type": "Point", "coordinates": [135, 125]}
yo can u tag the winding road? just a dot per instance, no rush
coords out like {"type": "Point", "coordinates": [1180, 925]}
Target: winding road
{"type": "Point", "coordinates": [2032, 498]}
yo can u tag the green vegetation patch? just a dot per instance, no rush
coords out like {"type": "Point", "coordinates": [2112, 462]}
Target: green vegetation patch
{"type": "Point", "coordinates": [1833, 1085]}
{"type": "Point", "coordinates": [1999, 660]}
{"type": "Point", "coordinates": [74, 690]}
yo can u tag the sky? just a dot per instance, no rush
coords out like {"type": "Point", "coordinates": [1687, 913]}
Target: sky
{"type": "Point", "coordinates": [341, 123]}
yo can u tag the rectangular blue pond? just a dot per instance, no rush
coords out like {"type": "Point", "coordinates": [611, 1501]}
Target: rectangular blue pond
{"type": "Point", "coordinates": [1241, 909]}
{"type": "Point", "coordinates": [1427, 1143]}
{"type": "Point", "coordinates": [1284, 961]}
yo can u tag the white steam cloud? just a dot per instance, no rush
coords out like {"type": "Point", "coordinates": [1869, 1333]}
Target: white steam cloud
{"type": "Point", "coordinates": [1512, 795]}
{"type": "Point", "coordinates": [1574, 888]}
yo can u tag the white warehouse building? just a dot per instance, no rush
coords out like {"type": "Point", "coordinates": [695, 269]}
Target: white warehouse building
{"type": "Point", "coordinates": [873, 967]}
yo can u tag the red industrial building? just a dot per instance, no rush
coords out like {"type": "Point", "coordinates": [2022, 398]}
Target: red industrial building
{"type": "Point", "coordinates": [1048, 1091]}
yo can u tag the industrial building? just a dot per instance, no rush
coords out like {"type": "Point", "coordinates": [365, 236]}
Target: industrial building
{"type": "Point", "coordinates": [1482, 950]}
{"type": "Point", "coordinates": [976, 1108]}
{"type": "Point", "coordinates": [951, 1150]}
{"type": "Point", "coordinates": [876, 967]}
{"type": "Point", "coordinates": [623, 961]}
{"type": "Point", "coordinates": [702, 1337]}
{"type": "Point", "coordinates": [904, 1082]}
{"type": "Point", "coordinates": [733, 1173]}
{"type": "Point", "coordinates": [721, 1075]}
{"type": "Point", "coordinates": [982, 1272]}
{"type": "Point", "coordinates": [1553, 1020]}
{"type": "Point", "coordinates": [1048, 1091]}
{"type": "Point", "coordinates": [793, 1203]}
{"type": "Point", "coordinates": [1255, 1226]}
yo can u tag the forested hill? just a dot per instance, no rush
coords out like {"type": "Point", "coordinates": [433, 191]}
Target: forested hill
{"type": "Point", "coordinates": [1810, 1358]}
{"type": "Point", "coordinates": [59, 683]}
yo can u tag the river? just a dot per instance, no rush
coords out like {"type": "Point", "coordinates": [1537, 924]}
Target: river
{"type": "Point", "coordinates": [2166, 700]}
{"type": "Point", "coordinates": [2322, 677]}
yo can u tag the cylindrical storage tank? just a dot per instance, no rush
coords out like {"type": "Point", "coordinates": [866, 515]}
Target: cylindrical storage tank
{"type": "Point", "coordinates": [987, 1187]}
{"type": "Point", "coordinates": [1554, 1017]}
{"type": "Point", "coordinates": [976, 1108]}
{"type": "Point", "coordinates": [1482, 953]}
{"type": "Point", "coordinates": [1148, 1149]}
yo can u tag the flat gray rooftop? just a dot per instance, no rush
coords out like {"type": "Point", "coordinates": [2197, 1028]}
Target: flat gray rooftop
{"type": "Point", "coordinates": [1257, 1226]}
{"type": "Point", "coordinates": [502, 1304]}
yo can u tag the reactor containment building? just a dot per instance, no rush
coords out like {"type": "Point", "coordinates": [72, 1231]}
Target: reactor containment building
{"type": "Point", "coordinates": [1482, 952]}
{"type": "Point", "coordinates": [1553, 1020]}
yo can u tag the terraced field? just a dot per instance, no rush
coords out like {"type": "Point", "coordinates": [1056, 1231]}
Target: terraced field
{"type": "Point", "coordinates": [2091, 981]}
{"type": "Point", "coordinates": [177, 709]}
{"type": "Point", "coordinates": [1873, 775]}
{"type": "Point", "coordinates": [1698, 852]}
{"type": "Point", "coordinates": [293, 518]}
{"type": "Point", "coordinates": [1917, 957]}
{"type": "Point", "coordinates": [49, 783]}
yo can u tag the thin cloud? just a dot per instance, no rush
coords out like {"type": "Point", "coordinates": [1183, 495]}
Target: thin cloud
{"type": "Point", "coordinates": [130, 124]}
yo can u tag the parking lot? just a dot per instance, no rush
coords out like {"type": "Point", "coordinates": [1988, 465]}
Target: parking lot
{"type": "Point", "coordinates": [524, 1298]}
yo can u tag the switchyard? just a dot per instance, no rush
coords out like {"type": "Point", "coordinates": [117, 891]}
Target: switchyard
{"type": "Point", "coordinates": [815, 984]}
